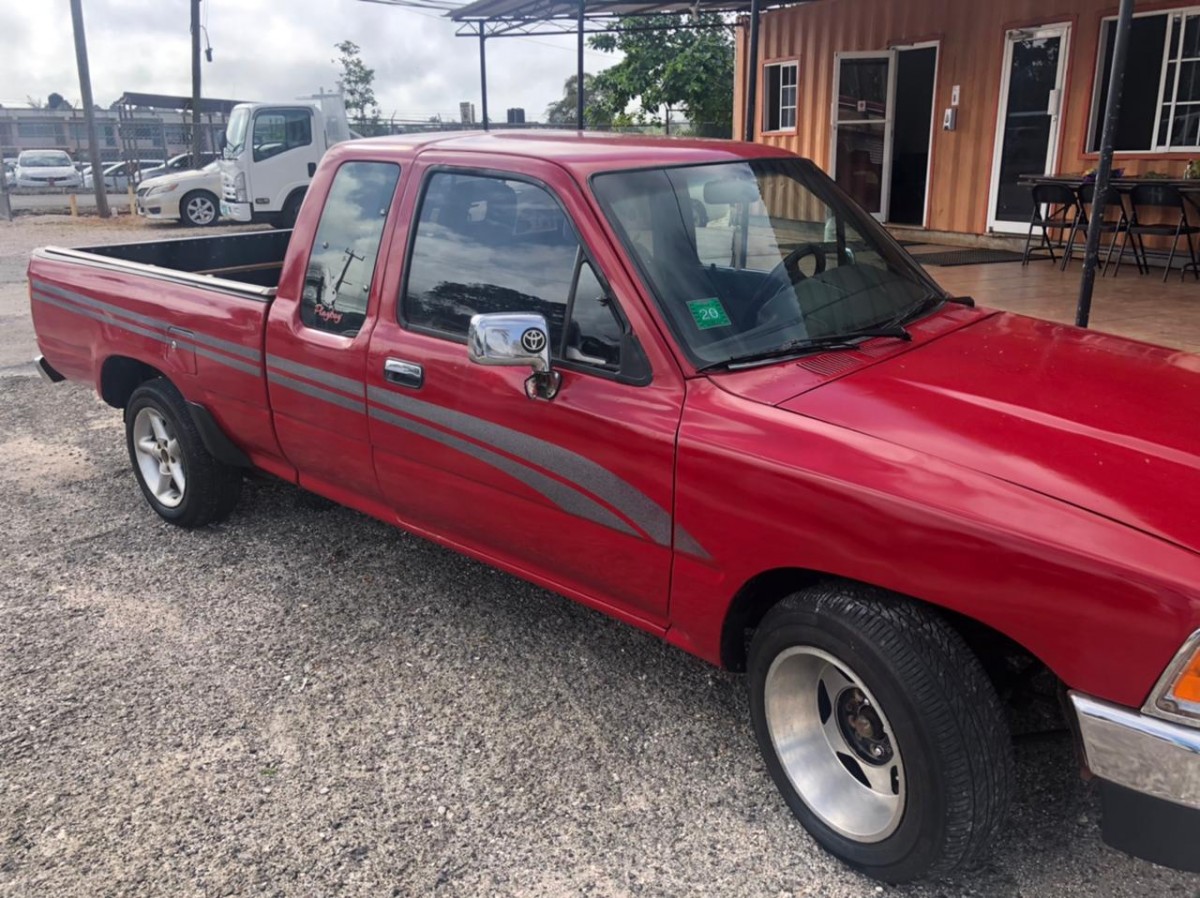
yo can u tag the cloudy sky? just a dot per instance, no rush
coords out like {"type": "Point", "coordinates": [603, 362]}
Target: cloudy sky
{"type": "Point", "coordinates": [276, 50]}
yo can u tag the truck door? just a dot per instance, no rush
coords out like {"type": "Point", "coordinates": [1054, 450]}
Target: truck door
{"type": "Point", "coordinates": [283, 154]}
{"type": "Point", "coordinates": [318, 332]}
{"type": "Point", "coordinates": [575, 492]}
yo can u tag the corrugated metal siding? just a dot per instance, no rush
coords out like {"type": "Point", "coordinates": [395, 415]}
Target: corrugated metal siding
{"type": "Point", "coordinates": [972, 36]}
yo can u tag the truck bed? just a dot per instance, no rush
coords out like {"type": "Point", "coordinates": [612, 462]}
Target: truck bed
{"type": "Point", "coordinates": [253, 259]}
{"type": "Point", "coordinates": [194, 310]}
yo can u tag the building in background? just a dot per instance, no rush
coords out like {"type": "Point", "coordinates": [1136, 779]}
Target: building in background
{"type": "Point", "coordinates": [929, 111]}
{"type": "Point", "coordinates": [138, 126]}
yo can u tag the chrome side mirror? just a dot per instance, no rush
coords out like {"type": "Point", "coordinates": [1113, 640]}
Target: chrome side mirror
{"type": "Point", "coordinates": [515, 339]}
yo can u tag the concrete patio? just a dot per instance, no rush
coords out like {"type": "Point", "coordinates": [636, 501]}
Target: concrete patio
{"type": "Point", "coordinates": [1141, 307]}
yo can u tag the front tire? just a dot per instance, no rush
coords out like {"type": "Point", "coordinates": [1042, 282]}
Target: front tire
{"type": "Point", "coordinates": [880, 729]}
{"type": "Point", "coordinates": [199, 209]}
{"type": "Point", "coordinates": [182, 482]}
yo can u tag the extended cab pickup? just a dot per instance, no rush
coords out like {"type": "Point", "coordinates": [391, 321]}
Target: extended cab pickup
{"type": "Point", "coordinates": [691, 384]}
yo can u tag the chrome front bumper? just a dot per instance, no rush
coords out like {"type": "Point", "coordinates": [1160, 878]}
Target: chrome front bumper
{"type": "Point", "coordinates": [1149, 773]}
{"type": "Point", "coordinates": [1139, 752]}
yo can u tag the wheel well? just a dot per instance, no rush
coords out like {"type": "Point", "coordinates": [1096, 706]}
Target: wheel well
{"type": "Point", "coordinates": [995, 651]}
{"type": "Point", "coordinates": [120, 376]}
{"type": "Point", "coordinates": [297, 195]}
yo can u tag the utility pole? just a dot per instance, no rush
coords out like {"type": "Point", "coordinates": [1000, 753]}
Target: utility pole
{"type": "Point", "coordinates": [89, 112]}
{"type": "Point", "coordinates": [196, 142]}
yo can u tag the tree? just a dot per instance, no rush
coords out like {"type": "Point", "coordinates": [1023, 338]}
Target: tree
{"type": "Point", "coordinates": [57, 101]}
{"type": "Point", "coordinates": [690, 69]}
{"type": "Point", "coordinates": [356, 85]}
{"type": "Point", "coordinates": [598, 109]}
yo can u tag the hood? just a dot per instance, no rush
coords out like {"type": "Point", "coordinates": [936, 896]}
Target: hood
{"type": "Point", "coordinates": [182, 177]}
{"type": "Point", "coordinates": [53, 171]}
{"type": "Point", "coordinates": [1106, 424]}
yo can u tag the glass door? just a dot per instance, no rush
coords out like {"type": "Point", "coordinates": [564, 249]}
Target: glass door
{"type": "Point", "coordinates": [864, 92]}
{"type": "Point", "coordinates": [1027, 131]}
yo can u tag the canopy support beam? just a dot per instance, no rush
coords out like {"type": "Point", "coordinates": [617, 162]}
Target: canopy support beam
{"type": "Point", "coordinates": [752, 73]}
{"type": "Point", "coordinates": [579, 87]}
{"type": "Point", "coordinates": [483, 77]}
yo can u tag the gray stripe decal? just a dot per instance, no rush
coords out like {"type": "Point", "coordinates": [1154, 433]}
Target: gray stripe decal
{"type": "Point", "coordinates": [245, 352]}
{"type": "Point", "coordinates": [355, 405]}
{"type": "Point", "coordinates": [566, 498]}
{"type": "Point", "coordinates": [686, 543]}
{"type": "Point", "coordinates": [153, 335]}
{"type": "Point", "coordinates": [333, 380]}
{"type": "Point", "coordinates": [599, 481]}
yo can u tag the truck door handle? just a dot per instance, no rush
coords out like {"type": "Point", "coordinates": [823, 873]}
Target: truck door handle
{"type": "Point", "coordinates": [406, 374]}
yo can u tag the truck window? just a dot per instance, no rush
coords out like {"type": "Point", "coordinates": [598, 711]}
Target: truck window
{"type": "Point", "coordinates": [486, 244]}
{"type": "Point", "coordinates": [279, 130]}
{"type": "Point", "coordinates": [337, 282]}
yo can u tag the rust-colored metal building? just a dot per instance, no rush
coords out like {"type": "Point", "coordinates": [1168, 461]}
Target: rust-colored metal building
{"type": "Point", "coordinates": [928, 111]}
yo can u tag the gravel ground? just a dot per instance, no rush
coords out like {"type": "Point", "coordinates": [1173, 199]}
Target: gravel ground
{"type": "Point", "coordinates": [304, 701]}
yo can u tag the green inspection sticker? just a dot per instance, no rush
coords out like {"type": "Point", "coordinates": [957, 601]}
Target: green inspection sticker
{"type": "Point", "coordinates": [708, 313]}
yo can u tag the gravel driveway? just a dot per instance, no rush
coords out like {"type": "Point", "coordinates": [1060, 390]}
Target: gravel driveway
{"type": "Point", "coordinates": [304, 701]}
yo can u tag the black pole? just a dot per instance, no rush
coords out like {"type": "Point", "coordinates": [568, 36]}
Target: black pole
{"type": "Point", "coordinates": [89, 113]}
{"type": "Point", "coordinates": [483, 74]}
{"type": "Point", "coordinates": [1112, 114]}
{"type": "Point", "coordinates": [579, 91]}
{"type": "Point", "coordinates": [752, 73]}
{"type": "Point", "coordinates": [196, 145]}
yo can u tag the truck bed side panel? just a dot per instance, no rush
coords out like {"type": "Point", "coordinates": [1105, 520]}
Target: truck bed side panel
{"type": "Point", "coordinates": [208, 342]}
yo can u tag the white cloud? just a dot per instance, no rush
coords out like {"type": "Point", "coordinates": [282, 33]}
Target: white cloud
{"type": "Point", "coordinates": [277, 50]}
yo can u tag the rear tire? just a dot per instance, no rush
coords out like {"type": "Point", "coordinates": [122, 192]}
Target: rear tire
{"type": "Point", "coordinates": [880, 729]}
{"type": "Point", "coordinates": [182, 482]}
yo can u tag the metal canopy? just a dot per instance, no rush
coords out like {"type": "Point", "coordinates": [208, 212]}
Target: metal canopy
{"type": "Point", "coordinates": [167, 101]}
{"type": "Point", "coordinates": [496, 18]}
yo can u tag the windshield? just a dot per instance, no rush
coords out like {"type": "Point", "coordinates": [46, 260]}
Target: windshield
{"type": "Point", "coordinates": [45, 160]}
{"type": "Point", "coordinates": [759, 256]}
{"type": "Point", "coordinates": [235, 132]}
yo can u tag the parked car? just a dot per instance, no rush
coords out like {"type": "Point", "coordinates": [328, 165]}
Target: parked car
{"type": "Point", "coordinates": [181, 163]}
{"type": "Point", "coordinates": [191, 197]}
{"type": "Point", "coordinates": [119, 175]}
{"type": "Point", "coordinates": [787, 451]}
{"type": "Point", "coordinates": [46, 168]}
{"type": "Point", "coordinates": [10, 172]}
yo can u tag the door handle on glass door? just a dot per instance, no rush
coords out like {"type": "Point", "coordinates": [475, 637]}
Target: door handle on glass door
{"type": "Point", "coordinates": [406, 374]}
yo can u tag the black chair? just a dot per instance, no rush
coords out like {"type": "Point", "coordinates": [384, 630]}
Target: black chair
{"type": "Point", "coordinates": [1164, 196]}
{"type": "Point", "coordinates": [1055, 207]}
{"type": "Point", "coordinates": [1118, 225]}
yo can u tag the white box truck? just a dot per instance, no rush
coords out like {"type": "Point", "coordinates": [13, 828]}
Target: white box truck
{"type": "Point", "coordinates": [270, 153]}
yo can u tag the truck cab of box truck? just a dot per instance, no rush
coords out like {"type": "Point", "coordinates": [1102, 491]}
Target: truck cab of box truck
{"type": "Point", "coordinates": [270, 153]}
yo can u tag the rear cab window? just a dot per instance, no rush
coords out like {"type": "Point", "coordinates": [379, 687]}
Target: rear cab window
{"type": "Point", "coordinates": [341, 266]}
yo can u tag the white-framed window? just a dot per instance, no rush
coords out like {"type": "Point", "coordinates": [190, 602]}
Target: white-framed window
{"type": "Point", "coordinates": [779, 112]}
{"type": "Point", "coordinates": [1160, 101]}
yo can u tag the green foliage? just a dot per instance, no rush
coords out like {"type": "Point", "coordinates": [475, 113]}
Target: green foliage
{"type": "Point", "coordinates": [597, 110]}
{"type": "Point", "coordinates": [688, 69]}
{"type": "Point", "coordinates": [356, 85]}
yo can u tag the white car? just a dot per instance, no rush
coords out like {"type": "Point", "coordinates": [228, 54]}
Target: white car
{"type": "Point", "coordinates": [182, 162]}
{"type": "Point", "coordinates": [192, 197]}
{"type": "Point", "coordinates": [116, 174]}
{"type": "Point", "coordinates": [46, 168]}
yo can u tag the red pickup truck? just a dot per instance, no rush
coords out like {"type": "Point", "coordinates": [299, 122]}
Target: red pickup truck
{"type": "Point", "coordinates": [693, 385]}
